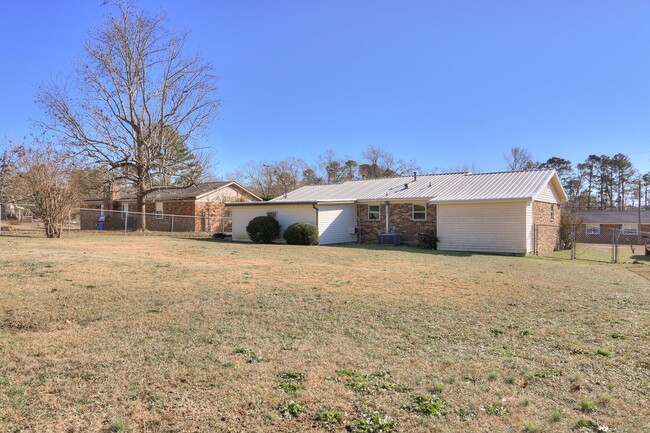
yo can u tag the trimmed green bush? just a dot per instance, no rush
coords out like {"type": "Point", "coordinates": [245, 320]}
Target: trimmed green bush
{"type": "Point", "coordinates": [301, 234]}
{"type": "Point", "coordinates": [263, 229]}
{"type": "Point", "coordinates": [428, 240]}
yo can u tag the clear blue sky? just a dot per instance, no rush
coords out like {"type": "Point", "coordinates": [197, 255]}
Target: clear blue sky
{"type": "Point", "coordinates": [447, 83]}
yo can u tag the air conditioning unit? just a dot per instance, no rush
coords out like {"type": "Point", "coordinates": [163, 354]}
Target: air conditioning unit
{"type": "Point", "coordinates": [354, 230]}
{"type": "Point", "coordinates": [390, 238]}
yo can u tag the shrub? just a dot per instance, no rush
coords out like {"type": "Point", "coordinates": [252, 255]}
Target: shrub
{"type": "Point", "coordinates": [428, 240]}
{"type": "Point", "coordinates": [263, 229]}
{"type": "Point", "coordinates": [301, 234]}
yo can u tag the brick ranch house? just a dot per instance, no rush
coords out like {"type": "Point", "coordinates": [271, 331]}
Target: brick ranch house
{"type": "Point", "coordinates": [505, 213]}
{"type": "Point", "coordinates": [198, 208]}
{"type": "Point", "coordinates": [598, 226]}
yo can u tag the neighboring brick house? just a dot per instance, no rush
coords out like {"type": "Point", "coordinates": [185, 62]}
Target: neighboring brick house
{"type": "Point", "coordinates": [506, 213]}
{"type": "Point", "coordinates": [199, 208]}
{"type": "Point", "coordinates": [597, 227]}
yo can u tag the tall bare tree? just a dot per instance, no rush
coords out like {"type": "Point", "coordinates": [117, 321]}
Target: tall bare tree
{"type": "Point", "coordinates": [136, 103]}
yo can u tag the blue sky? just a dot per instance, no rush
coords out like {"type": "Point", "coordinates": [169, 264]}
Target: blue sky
{"type": "Point", "coordinates": [447, 83]}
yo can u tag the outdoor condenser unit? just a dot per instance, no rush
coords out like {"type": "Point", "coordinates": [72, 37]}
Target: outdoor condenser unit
{"type": "Point", "coordinates": [390, 238]}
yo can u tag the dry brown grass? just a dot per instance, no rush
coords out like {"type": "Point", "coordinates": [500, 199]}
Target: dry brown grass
{"type": "Point", "coordinates": [189, 335]}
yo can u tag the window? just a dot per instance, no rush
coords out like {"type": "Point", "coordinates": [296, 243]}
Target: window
{"type": "Point", "coordinates": [630, 229]}
{"type": "Point", "coordinates": [159, 210]}
{"type": "Point", "coordinates": [272, 214]}
{"type": "Point", "coordinates": [552, 212]}
{"type": "Point", "coordinates": [592, 229]}
{"type": "Point", "coordinates": [419, 212]}
{"type": "Point", "coordinates": [373, 212]}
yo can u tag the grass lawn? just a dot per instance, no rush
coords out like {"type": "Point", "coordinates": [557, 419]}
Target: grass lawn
{"type": "Point", "coordinates": [159, 334]}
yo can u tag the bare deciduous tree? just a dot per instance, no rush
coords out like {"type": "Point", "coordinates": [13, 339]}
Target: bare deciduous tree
{"type": "Point", "coordinates": [48, 181]}
{"type": "Point", "coordinates": [381, 163]}
{"type": "Point", "coordinates": [519, 159]}
{"type": "Point", "coordinates": [136, 103]}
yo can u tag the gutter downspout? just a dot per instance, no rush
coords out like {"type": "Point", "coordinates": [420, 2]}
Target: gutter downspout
{"type": "Point", "coordinates": [387, 216]}
{"type": "Point", "coordinates": [315, 206]}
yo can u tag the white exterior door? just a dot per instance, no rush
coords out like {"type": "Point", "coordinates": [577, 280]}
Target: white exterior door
{"type": "Point", "coordinates": [335, 223]}
{"type": "Point", "coordinates": [483, 227]}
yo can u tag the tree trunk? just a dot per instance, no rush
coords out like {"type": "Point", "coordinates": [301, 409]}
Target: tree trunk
{"type": "Point", "coordinates": [141, 207]}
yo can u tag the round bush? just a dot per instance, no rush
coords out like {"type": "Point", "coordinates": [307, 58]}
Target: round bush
{"type": "Point", "coordinates": [263, 229]}
{"type": "Point", "coordinates": [301, 234]}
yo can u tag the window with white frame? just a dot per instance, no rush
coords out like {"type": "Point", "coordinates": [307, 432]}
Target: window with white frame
{"type": "Point", "coordinates": [592, 229]}
{"type": "Point", "coordinates": [159, 210]}
{"type": "Point", "coordinates": [419, 212]}
{"type": "Point", "coordinates": [630, 229]}
{"type": "Point", "coordinates": [373, 212]}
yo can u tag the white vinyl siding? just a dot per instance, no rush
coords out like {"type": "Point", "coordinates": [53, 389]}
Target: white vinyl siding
{"type": "Point", "coordinates": [484, 227]}
{"type": "Point", "coordinates": [548, 194]}
{"type": "Point", "coordinates": [530, 228]}
{"type": "Point", "coordinates": [286, 215]}
{"type": "Point", "coordinates": [335, 222]}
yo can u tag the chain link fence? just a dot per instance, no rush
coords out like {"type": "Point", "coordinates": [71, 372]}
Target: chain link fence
{"type": "Point", "coordinates": [124, 222]}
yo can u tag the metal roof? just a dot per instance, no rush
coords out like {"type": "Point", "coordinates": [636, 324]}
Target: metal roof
{"type": "Point", "coordinates": [615, 217]}
{"type": "Point", "coordinates": [437, 188]}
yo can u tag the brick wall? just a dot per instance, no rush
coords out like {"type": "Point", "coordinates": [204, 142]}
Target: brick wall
{"type": "Point", "coordinates": [605, 236]}
{"type": "Point", "coordinates": [547, 233]}
{"type": "Point", "coordinates": [400, 216]}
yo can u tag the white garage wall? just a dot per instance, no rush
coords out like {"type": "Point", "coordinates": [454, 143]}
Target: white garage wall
{"type": "Point", "coordinates": [483, 227]}
{"type": "Point", "coordinates": [286, 215]}
{"type": "Point", "coordinates": [335, 222]}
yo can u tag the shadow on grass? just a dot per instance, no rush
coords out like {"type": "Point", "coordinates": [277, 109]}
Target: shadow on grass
{"type": "Point", "coordinates": [401, 248]}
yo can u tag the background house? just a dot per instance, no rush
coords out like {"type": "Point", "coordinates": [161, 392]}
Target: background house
{"type": "Point", "coordinates": [598, 226]}
{"type": "Point", "coordinates": [507, 212]}
{"type": "Point", "coordinates": [192, 209]}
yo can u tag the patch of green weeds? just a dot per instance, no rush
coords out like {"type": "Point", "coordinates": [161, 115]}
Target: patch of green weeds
{"type": "Point", "coordinates": [291, 409]}
{"type": "Point", "coordinates": [426, 405]}
{"type": "Point", "coordinates": [249, 354]}
{"type": "Point", "coordinates": [370, 383]}
{"type": "Point", "coordinates": [586, 406]}
{"type": "Point", "coordinates": [329, 418]}
{"type": "Point", "coordinates": [291, 387]}
{"type": "Point", "coordinates": [118, 424]}
{"type": "Point", "coordinates": [493, 376]}
{"type": "Point", "coordinates": [531, 427]}
{"type": "Point", "coordinates": [617, 336]}
{"type": "Point", "coordinates": [438, 388]}
{"type": "Point", "coordinates": [373, 422]}
{"type": "Point", "coordinates": [497, 410]}
{"type": "Point", "coordinates": [557, 416]}
{"type": "Point", "coordinates": [603, 352]}
{"type": "Point", "coordinates": [510, 379]}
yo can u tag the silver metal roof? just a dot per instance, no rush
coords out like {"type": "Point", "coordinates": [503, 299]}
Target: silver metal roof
{"type": "Point", "coordinates": [437, 188]}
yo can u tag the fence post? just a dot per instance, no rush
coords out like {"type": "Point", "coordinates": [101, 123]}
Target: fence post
{"type": "Point", "coordinates": [172, 224]}
{"type": "Point", "coordinates": [0, 218]}
{"type": "Point", "coordinates": [126, 220]}
{"type": "Point", "coordinates": [574, 240]}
